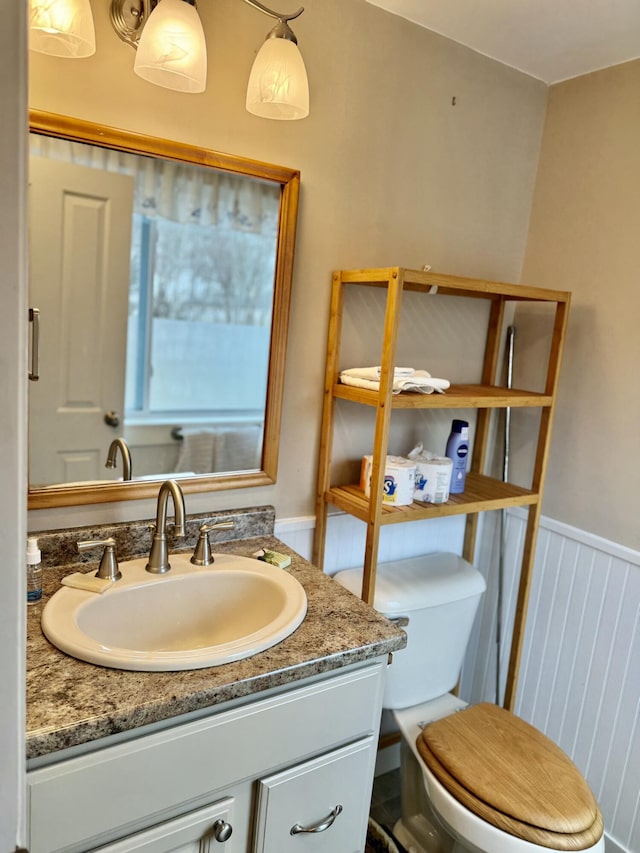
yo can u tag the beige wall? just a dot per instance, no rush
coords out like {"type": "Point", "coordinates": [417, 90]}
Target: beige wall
{"type": "Point", "coordinates": [392, 172]}
{"type": "Point", "coordinates": [584, 237]}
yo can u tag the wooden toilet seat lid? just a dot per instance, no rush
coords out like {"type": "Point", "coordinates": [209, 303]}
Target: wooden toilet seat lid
{"type": "Point", "coordinates": [512, 776]}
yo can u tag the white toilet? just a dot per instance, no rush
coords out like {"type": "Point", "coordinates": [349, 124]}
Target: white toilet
{"type": "Point", "coordinates": [475, 779]}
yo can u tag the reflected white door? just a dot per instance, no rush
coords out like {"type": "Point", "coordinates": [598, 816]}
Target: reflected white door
{"type": "Point", "coordinates": [80, 242]}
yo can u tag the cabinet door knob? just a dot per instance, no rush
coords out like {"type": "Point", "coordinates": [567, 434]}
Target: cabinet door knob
{"type": "Point", "coordinates": [222, 830]}
{"type": "Point", "coordinates": [319, 827]}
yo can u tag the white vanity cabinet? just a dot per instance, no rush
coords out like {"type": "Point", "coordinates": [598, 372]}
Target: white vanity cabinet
{"type": "Point", "coordinates": [300, 759]}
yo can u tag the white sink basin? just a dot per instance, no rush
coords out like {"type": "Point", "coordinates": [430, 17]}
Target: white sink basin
{"type": "Point", "coordinates": [189, 618]}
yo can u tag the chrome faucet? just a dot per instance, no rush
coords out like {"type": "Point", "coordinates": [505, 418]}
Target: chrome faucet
{"type": "Point", "coordinates": [159, 555]}
{"type": "Point", "coordinates": [126, 457]}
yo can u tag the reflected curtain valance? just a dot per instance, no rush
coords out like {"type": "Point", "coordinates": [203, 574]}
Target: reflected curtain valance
{"type": "Point", "coordinates": [179, 192]}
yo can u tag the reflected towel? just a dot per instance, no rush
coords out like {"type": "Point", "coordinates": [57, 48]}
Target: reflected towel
{"type": "Point", "coordinates": [239, 449]}
{"type": "Point", "coordinates": [197, 451]}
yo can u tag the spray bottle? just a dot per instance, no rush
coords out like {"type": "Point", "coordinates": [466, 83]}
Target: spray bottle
{"type": "Point", "coordinates": [34, 571]}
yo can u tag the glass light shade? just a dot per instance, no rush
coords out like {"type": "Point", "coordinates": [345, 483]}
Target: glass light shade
{"type": "Point", "coordinates": [62, 28]}
{"type": "Point", "coordinates": [172, 50]}
{"type": "Point", "coordinates": [278, 86]}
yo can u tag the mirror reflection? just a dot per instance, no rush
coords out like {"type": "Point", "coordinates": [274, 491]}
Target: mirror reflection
{"type": "Point", "coordinates": [158, 282]}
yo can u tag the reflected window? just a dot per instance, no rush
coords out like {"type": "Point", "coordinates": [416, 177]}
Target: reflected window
{"type": "Point", "coordinates": [199, 295]}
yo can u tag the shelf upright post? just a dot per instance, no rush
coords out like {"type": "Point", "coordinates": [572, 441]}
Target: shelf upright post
{"type": "Point", "coordinates": [533, 519]}
{"type": "Point", "coordinates": [381, 437]}
{"type": "Point", "coordinates": [328, 417]}
{"type": "Point", "coordinates": [481, 439]}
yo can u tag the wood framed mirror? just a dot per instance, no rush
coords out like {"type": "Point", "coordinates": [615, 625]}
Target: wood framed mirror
{"type": "Point", "coordinates": [162, 276]}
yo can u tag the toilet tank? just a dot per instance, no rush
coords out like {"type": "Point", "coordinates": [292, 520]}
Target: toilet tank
{"type": "Point", "coordinates": [439, 593]}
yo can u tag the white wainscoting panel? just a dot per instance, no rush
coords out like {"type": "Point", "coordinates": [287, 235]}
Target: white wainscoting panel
{"type": "Point", "coordinates": [580, 672]}
{"type": "Point", "coordinates": [346, 535]}
{"type": "Point", "coordinates": [580, 676]}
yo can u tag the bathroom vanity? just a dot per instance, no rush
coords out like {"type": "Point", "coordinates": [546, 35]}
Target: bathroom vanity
{"type": "Point", "coordinates": [258, 756]}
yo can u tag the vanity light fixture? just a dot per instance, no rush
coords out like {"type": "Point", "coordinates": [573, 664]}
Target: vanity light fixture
{"type": "Point", "coordinates": [62, 28]}
{"type": "Point", "coordinates": [171, 49]}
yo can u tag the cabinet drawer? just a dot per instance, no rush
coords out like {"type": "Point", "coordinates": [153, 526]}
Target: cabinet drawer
{"type": "Point", "coordinates": [320, 806]}
{"type": "Point", "coordinates": [93, 799]}
{"type": "Point", "coordinates": [189, 834]}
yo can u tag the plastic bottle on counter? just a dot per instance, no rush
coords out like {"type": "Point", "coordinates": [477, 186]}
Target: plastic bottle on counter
{"type": "Point", "coordinates": [458, 450]}
{"type": "Point", "coordinates": [34, 571]}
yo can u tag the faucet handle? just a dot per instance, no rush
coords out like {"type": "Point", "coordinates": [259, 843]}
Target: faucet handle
{"type": "Point", "coordinates": [108, 569]}
{"type": "Point", "coordinates": [202, 555]}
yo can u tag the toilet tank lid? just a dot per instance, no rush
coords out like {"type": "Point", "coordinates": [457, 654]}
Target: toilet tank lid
{"type": "Point", "coordinates": [418, 582]}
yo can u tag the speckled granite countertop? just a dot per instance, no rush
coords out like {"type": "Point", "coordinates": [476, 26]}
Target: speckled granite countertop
{"type": "Point", "coordinates": [70, 702]}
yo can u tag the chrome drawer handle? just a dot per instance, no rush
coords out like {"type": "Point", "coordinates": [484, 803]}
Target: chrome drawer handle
{"type": "Point", "coordinates": [319, 827]}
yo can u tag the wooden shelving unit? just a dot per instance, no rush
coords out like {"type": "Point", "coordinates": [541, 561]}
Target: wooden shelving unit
{"type": "Point", "coordinates": [481, 492]}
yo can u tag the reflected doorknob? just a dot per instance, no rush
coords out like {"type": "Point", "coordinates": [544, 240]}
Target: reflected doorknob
{"type": "Point", "coordinates": [112, 419]}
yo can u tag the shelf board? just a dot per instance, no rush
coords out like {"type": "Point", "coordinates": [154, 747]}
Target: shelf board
{"type": "Point", "coordinates": [433, 282]}
{"type": "Point", "coordinates": [481, 493]}
{"type": "Point", "coordinates": [456, 397]}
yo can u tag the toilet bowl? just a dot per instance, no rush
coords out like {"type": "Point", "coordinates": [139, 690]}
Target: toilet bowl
{"type": "Point", "coordinates": [475, 779]}
{"type": "Point", "coordinates": [435, 820]}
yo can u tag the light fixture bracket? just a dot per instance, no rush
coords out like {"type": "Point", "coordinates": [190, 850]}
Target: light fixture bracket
{"type": "Point", "coordinates": [128, 17]}
{"type": "Point", "coordinates": [282, 30]}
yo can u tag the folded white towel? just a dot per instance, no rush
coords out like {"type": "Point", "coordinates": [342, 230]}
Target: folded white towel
{"type": "Point", "coordinates": [422, 384]}
{"type": "Point", "coordinates": [418, 381]}
{"type": "Point", "coordinates": [373, 373]}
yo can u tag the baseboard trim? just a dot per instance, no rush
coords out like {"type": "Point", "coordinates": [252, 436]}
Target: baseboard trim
{"type": "Point", "coordinates": [307, 523]}
{"type": "Point", "coordinates": [598, 543]}
{"type": "Point", "coordinates": [293, 525]}
{"type": "Point", "coordinates": [389, 739]}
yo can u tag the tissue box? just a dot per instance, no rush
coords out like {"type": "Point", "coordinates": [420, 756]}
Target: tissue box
{"type": "Point", "coordinates": [399, 479]}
